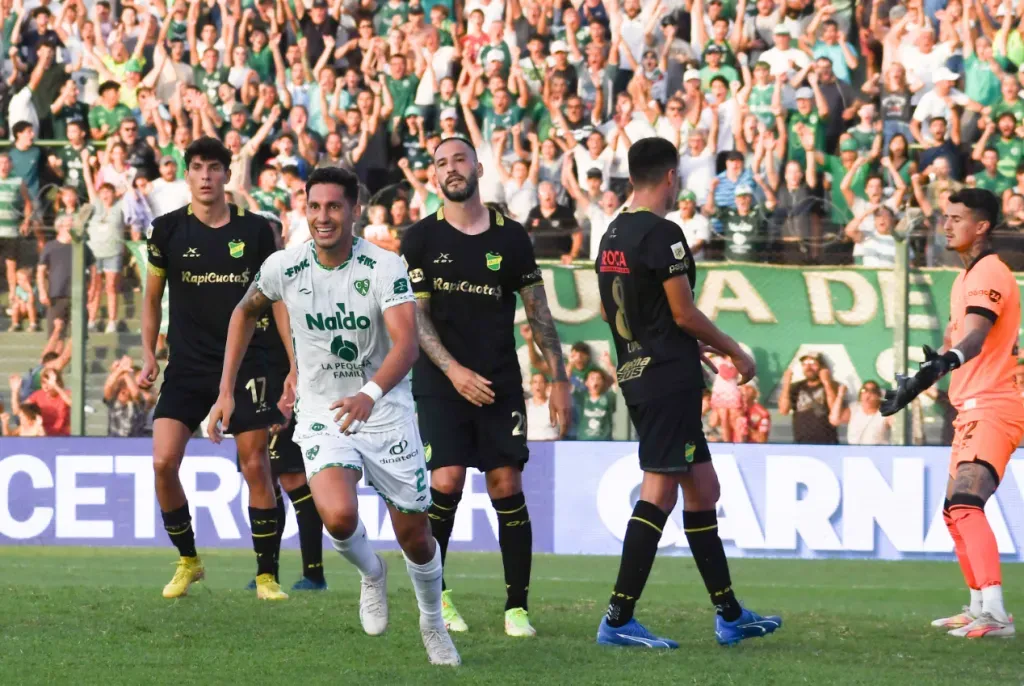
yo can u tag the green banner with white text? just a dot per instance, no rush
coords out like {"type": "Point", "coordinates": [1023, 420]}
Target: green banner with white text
{"type": "Point", "coordinates": [780, 313]}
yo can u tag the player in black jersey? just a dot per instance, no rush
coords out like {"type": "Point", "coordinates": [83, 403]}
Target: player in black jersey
{"type": "Point", "coordinates": [206, 254]}
{"type": "Point", "coordinates": [646, 276]}
{"type": "Point", "coordinates": [466, 264]}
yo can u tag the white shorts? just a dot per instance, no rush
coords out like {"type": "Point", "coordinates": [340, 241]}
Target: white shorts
{"type": "Point", "coordinates": [392, 461]}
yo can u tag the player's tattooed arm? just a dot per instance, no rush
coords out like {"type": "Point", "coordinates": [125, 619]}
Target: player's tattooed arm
{"type": "Point", "coordinates": [430, 340]}
{"type": "Point", "coordinates": [535, 302]}
{"type": "Point", "coordinates": [254, 303]}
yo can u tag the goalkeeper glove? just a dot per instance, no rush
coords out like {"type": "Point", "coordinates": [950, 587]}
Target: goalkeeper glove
{"type": "Point", "coordinates": [935, 367]}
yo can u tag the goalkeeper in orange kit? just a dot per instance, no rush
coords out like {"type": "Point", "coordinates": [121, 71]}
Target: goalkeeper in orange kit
{"type": "Point", "coordinates": [980, 351]}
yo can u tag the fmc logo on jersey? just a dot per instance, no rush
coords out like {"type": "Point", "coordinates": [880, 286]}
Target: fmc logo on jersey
{"type": "Point", "coordinates": [337, 321]}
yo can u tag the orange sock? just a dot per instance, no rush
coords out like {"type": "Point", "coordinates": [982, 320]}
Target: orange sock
{"type": "Point", "coordinates": [968, 514]}
{"type": "Point", "coordinates": [960, 547]}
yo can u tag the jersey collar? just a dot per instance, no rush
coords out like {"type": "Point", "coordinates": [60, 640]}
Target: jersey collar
{"type": "Point", "coordinates": [979, 258]}
{"type": "Point", "coordinates": [351, 254]}
{"type": "Point", "coordinates": [499, 218]}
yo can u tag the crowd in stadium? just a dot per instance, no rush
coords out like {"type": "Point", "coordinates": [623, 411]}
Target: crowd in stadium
{"type": "Point", "coordinates": [810, 132]}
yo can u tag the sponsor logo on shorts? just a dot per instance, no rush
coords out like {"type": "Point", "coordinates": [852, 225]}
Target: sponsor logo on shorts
{"type": "Point", "coordinates": [317, 427]}
{"type": "Point", "coordinates": [346, 350]}
{"type": "Point", "coordinates": [689, 451]}
{"type": "Point", "coordinates": [236, 249]}
{"type": "Point", "coordinates": [428, 452]}
{"type": "Point", "coordinates": [493, 261]}
{"type": "Point", "coordinates": [399, 448]}
{"type": "Point", "coordinates": [443, 286]}
{"type": "Point", "coordinates": [362, 286]}
{"type": "Point", "coordinates": [364, 260]}
{"type": "Point", "coordinates": [312, 452]}
{"type": "Point", "coordinates": [416, 275]}
{"type": "Point", "coordinates": [215, 278]}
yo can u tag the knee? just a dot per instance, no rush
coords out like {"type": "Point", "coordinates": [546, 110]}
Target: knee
{"type": "Point", "coordinates": [502, 483]}
{"type": "Point", "coordinates": [255, 466]}
{"type": "Point", "coordinates": [415, 539]}
{"type": "Point", "coordinates": [448, 480]}
{"type": "Point", "coordinates": [166, 464]}
{"type": "Point", "coordinates": [340, 521]}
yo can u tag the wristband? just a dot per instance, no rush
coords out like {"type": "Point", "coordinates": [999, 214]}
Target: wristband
{"type": "Point", "coordinates": [954, 357]}
{"type": "Point", "coordinates": [373, 390]}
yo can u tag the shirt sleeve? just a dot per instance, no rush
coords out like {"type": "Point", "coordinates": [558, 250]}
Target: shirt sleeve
{"type": "Point", "coordinates": [986, 284]}
{"type": "Point", "coordinates": [156, 247]}
{"type": "Point", "coordinates": [665, 252]}
{"type": "Point", "coordinates": [524, 269]}
{"type": "Point", "coordinates": [391, 283]}
{"type": "Point", "coordinates": [269, 279]}
{"type": "Point", "coordinates": [414, 259]}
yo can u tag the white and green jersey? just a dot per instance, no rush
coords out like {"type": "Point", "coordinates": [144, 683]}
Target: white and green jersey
{"type": "Point", "coordinates": [338, 330]}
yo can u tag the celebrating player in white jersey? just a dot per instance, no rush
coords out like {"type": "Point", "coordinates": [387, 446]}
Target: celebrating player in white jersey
{"type": "Point", "coordinates": [352, 319]}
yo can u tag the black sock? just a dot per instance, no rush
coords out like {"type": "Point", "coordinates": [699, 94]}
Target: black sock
{"type": "Point", "coordinates": [178, 525]}
{"type": "Point", "coordinates": [311, 533]}
{"type": "Point", "coordinates": [701, 529]}
{"type": "Point", "coordinates": [280, 531]}
{"type": "Point", "coordinates": [515, 537]}
{"type": "Point", "coordinates": [264, 529]}
{"type": "Point", "coordinates": [442, 519]}
{"type": "Point", "coordinates": [638, 550]}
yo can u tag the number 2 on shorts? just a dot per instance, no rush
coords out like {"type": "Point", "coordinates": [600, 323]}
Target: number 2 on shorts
{"type": "Point", "coordinates": [421, 481]}
{"type": "Point", "coordinates": [519, 419]}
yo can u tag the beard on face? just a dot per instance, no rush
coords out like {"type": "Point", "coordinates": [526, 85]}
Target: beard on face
{"type": "Point", "coordinates": [463, 194]}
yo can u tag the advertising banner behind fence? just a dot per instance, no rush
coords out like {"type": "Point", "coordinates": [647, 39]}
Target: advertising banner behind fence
{"type": "Point", "coordinates": [777, 500]}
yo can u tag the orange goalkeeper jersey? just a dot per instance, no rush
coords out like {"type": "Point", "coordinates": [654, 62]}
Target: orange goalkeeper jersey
{"type": "Point", "coordinates": [987, 288]}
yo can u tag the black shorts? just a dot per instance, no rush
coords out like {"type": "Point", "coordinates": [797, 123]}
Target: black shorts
{"type": "Point", "coordinates": [189, 399]}
{"type": "Point", "coordinates": [670, 431]}
{"type": "Point", "coordinates": [285, 454]}
{"type": "Point", "coordinates": [456, 433]}
{"type": "Point", "coordinates": [9, 249]}
{"type": "Point", "coordinates": [60, 308]}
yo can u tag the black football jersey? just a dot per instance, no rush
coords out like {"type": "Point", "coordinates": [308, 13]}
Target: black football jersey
{"type": "Point", "coordinates": [472, 282]}
{"type": "Point", "coordinates": [638, 253]}
{"type": "Point", "coordinates": [208, 272]}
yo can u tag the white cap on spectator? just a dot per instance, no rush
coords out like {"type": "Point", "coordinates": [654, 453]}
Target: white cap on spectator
{"type": "Point", "coordinates": [804, 93]}
{"type": "Point", "coordinates": [495, 56]}
{"type": "Point", "coordinates": [781, 29]}
{"type": "Point", "coordinates": [944, 74]}
{"type": "Point", "coordinates": [449, 113]}
{"type": "Point", "coordinates": [691, 74]}
{"type": "Point", "coordinates": [559, 46]}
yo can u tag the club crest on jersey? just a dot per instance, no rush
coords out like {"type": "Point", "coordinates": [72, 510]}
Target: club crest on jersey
{"type": "Point", "coordinates": [236, 249]}
{"type": "Point", "coordinates": [362, 286]}
{"type": "Point", "coordinates": [493, 261]}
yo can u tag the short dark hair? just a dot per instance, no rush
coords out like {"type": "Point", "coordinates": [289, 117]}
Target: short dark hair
{"type": "Point", "coordinates": [107, 85]}
{"type": "Point", "coordinates": [830, 22]}
{"type": "Point", "coordinates": [338, 177]}
{"type": "Point", "coordinates": [581, 347]}
{"type": "Point", "coordinates": [19, 127]}
{"type": "Point", "coordinates": [983, 204]}
{"type": "Point", "coordinates": [460, 139]}
{"type": "Point", "coordinates": [209, 149]}
{"type": "Point", "coordinates": [650, 159]}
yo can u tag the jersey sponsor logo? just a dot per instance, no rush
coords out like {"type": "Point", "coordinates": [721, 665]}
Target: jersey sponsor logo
{"type": "Point", "coordinates": [632, 369]}
{"type": "Point", "coordinates": [532, 277]}
{"type": "Point", "coordinates": [312, 452]}
{"type": "Point", "coordinates": [614, 261]}
{"type": "Point", "coordinates": [993, 295]}
{"type": "Point", "coordinates": [236, 249]}
{"type": "Point", "coordinates": [416, 275]}
{"type": "Point", "coordinates": [191, 252]}
{"type": "Point", "coordinates": [317, 426]}
{"type": "Point", "coordinates": [346, 350]}
{"type": "Point", "coordinates": [493, 261]}
{"type": "Point", "coordinates": [678, 251]}
{"type": "Point", "coordinates": [443, 258]}
{"type": "Point", "coordinates": [362, 286]}
{"type": "Point", "coordinates": [337, 321]}
{"type": "Point", "coordinates": [153, 250]}
{"type": "Point", "coordinates": [401, 286]}
{"type": "Point", "coordinates": [215, 278]}
{"type": "Point", "coordinates": [677, 267]}
{"type": "Point", "coordinates": [443, 286]}
{"type": "Point", "coordinates": [295, 269]}
{"type": "Point", "coordinates": [364, 260]}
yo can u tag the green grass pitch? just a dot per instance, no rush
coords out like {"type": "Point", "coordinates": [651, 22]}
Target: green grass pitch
{"type": "Point", "coordinates": [95, 616]}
